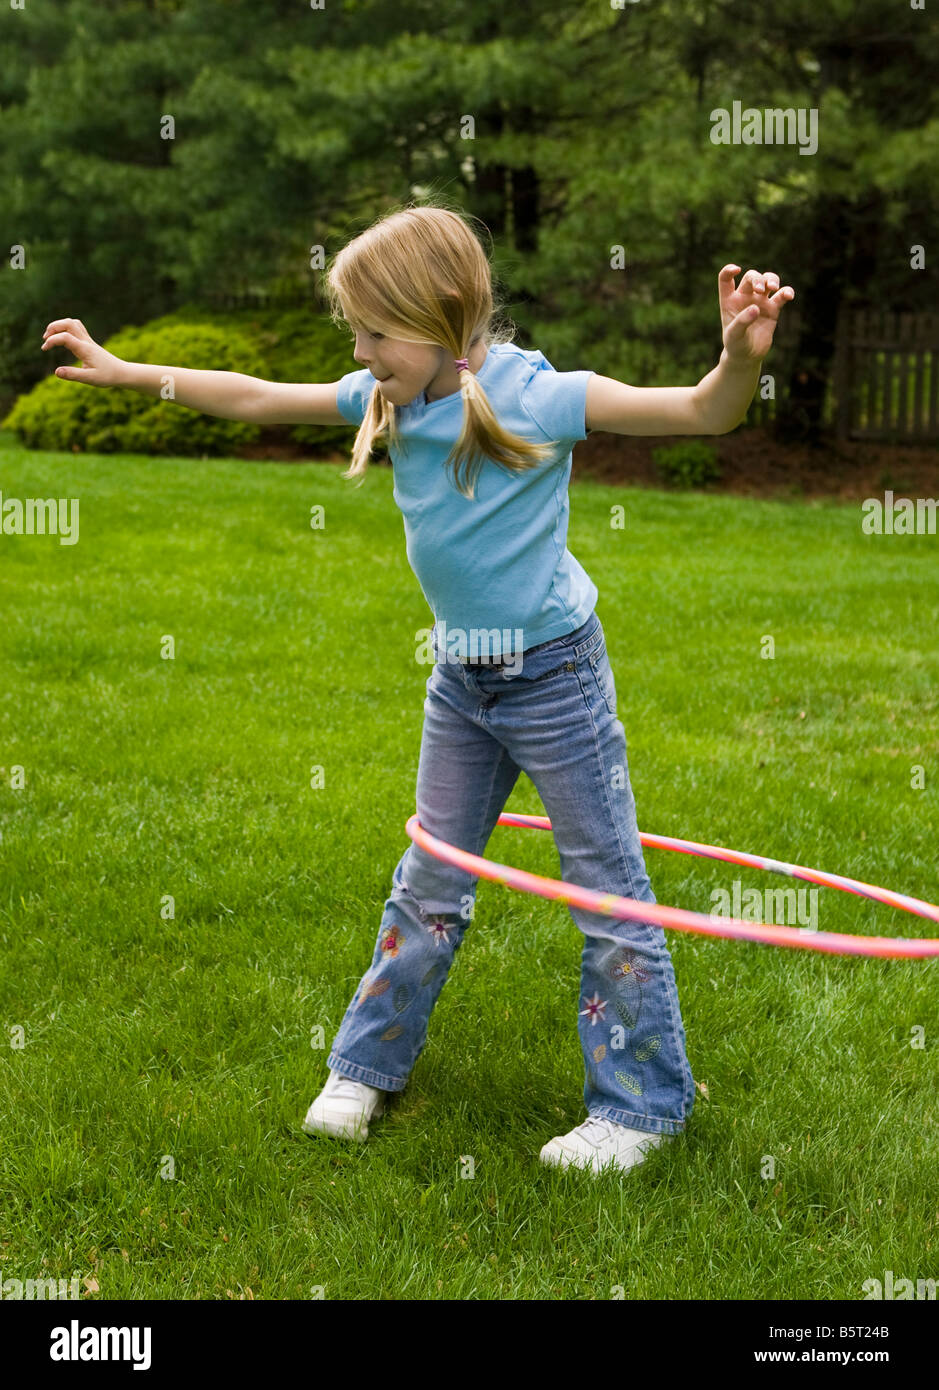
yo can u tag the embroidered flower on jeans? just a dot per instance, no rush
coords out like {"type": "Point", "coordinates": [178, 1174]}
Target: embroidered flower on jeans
{"type": "Point", "coordinates": [594, 1009]}
{"type": "Point", "coordinates": [438, 930]}
{"type": "Point", "coordinates": [629, 965]}
{"type": "Point", "coordinates": [392, 938]}
{"type": "Point", "coordinates": [628, 969]}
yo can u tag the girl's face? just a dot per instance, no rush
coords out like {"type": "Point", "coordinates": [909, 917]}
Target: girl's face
{"type": "Point", "coordinates": [405, 370]}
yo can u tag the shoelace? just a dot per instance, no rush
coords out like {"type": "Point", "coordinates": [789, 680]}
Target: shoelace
{"type": "Point", "coordinates": [595, 1129]}
{"type": "Point", "coordinates": [346, 1089]}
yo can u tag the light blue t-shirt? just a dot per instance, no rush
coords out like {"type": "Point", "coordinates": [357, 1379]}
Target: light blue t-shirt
{"type": "Point", "coordinates": [496, 571]}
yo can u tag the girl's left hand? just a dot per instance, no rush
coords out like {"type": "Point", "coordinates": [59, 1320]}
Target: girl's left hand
{"type": "Point", "coordinates": [749, 311]}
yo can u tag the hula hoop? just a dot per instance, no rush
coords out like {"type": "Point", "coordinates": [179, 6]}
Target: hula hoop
{"type": "Point", "coordinates": [734, 929]}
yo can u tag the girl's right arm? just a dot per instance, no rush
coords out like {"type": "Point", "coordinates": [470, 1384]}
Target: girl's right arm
{"type": "Point", "coordinates": [230, 395]}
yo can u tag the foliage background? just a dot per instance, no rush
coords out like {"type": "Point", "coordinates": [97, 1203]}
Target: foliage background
{"type": "Point", "coordinates": [295, 127]}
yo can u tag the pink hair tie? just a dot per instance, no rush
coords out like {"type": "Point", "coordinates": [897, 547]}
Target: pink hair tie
{"type": "Point", "coordinates": [461, 364]}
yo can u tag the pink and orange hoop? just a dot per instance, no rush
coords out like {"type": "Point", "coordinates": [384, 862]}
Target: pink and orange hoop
{"type": "Point", "coordinates": [631, 909]}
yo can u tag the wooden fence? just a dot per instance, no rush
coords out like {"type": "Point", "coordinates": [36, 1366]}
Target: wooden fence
{"type": "Point", "coordinates": [884, 382]}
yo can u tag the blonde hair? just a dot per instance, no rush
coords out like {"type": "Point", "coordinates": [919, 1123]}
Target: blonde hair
{"type": "Point", "coordinates": [420, 274]}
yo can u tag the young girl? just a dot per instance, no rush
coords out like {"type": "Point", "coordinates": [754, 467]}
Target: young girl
{"type": "Point", "coordinates": [480, 433]}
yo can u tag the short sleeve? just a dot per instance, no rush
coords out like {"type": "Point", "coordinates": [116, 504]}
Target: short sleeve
{"type": "Point", "coordinates": [557, 403]}
{"type": "Point", "coordinates": [352, 395]}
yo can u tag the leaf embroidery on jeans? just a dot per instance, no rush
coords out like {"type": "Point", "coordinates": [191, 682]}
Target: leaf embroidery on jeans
{"type": "Point", "coordinates": [599, 1052]}
{"type": "Point", "coordinates": [401, 998]}
{"type": "Point", "coordinates": [429, 975]}
{"type": "Point", "coordinates": [647, 1049]}
{"type": "Point", "coordinates": [629, 995]}
{"type": "Point", "coordinates": [393, 1032]}
{"type": "Point", "coordinates": [626, 1013]}
{"type": "Point", "coordinates": [629, 1083]}
{"type": "Point", "coordinates": [372, 990]}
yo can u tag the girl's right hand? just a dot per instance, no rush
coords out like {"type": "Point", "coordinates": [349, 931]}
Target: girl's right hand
{"type": "Point", "coordinates": [98, 367]}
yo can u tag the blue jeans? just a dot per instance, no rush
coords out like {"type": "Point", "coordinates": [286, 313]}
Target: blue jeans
{"type": "Point", "coordinates": [556, 721]}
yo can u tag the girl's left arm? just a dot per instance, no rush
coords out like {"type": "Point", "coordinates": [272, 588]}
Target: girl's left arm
{"type": "Point", "coordinates": [719, 402]}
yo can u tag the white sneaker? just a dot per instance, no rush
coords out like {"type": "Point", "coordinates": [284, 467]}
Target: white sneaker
{"type": "Point", "coordinates": [343, 1108]}
{"type": "Point", "coordinates": [599, 1143]}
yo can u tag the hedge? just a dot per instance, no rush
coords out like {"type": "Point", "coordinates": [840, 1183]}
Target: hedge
{"type": "Point", "coordinates": [278, 345]}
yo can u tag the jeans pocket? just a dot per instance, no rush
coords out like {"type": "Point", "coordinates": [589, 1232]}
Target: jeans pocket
{"type": "Point", "coordinates": [603, 675]}
{"type": "Point", "coordinates": [555, 655]}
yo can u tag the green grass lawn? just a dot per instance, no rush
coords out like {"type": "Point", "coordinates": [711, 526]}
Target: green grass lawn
{"type": "Point", "coordinates": [150, 1120]}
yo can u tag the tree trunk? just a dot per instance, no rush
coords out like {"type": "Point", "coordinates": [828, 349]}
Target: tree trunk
{"type": "Point", "coordinates": [800, 416]}
{"type": "Point", "coordinates": [491, 189]}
